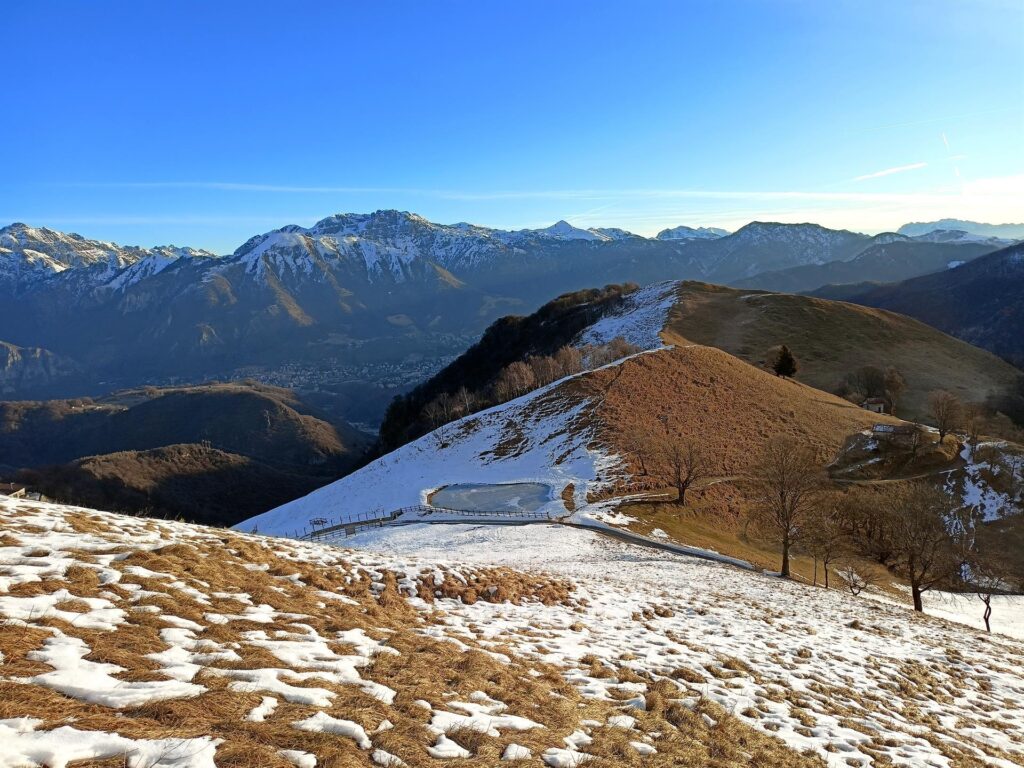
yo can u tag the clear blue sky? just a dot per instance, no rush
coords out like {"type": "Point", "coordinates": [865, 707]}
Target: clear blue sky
{"type": "Point", "coordinates": [205, 122]}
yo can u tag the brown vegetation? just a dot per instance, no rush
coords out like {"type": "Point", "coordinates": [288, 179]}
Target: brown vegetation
{"type": "Point", "coordinates": [833, 339]}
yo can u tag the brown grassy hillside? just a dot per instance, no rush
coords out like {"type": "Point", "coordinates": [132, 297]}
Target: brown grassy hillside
{"type": "Point", "coordinates": [832, 339]}
{"type": "Point", "coordinates": [189, 482]}
{"type": "Point", "coordinates": [212, 453]}
{"type": "Point", "coordinates": [730, 407]}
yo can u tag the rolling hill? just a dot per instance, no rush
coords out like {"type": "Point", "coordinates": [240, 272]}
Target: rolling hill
{"type": "Point", "coordinates": [214, 453]}
{"type": "Point", "coordinates": [832, 338]}
{"type": "Point", "coordinates": [981, 302]}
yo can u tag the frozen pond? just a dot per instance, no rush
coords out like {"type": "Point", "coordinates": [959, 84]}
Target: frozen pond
{"type": "Point", "coordinates": [504, 497]}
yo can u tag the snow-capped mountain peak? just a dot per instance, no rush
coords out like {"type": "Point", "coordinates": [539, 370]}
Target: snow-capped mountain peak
{"type": "Point", "coordinates": [683, 232]}
{"type": "Point", "coordinates": [563, 230]}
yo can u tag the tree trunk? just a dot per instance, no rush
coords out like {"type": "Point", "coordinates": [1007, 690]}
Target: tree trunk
{"type": "Point", "coordinates": [988, 615]}
{"type": "Point", "coordinates": [826, 575]}
{"type": "Point", "coordinates": [915, 590]}
{"type": "Point", "coordinates": [815, 583]}
{"type": "Point", "coordinates": [784, 571]}
{"type": "Point", "coordinates": [682, 494]}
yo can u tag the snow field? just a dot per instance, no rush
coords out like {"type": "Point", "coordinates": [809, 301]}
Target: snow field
{"type": "Point", "coordinates": [303, 642]}
{"type": "Point", "coordinates": [845, 678]}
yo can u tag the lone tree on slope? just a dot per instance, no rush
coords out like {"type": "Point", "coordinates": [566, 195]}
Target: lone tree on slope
{"type": "Point", "coordinates": [924, 547]}
{"type": "Point", "coordinates": [785, 364]}
{"type": "Point", "coordinates": [686, 464]}
{"type": "Point", "coordinates": [946, 410]}
{"type": "Point", "coordinates": [785, 485]}
{"type": "Point", "coordinates": [895, 386]}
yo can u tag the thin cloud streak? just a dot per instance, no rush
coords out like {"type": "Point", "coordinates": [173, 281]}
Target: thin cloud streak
{"type": "Point", "coordinates": [564, 194]}
{"type": "Point", "coordinates": [891, 171]}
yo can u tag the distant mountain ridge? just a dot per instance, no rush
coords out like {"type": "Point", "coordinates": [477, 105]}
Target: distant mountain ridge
{"type": "Point", "coordinates": [383, 289]}
{"type": "Point", "coordinates": [981, 302]}
{"type": "Point", "coordinates": [1007, 231]}
{"type": "Point", "coordinates": [31, 255]}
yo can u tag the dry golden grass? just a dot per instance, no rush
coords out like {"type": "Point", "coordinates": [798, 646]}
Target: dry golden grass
{"type": "Point", "coordinates": [832, 339]}
{"type": "Point", "coordinates": [425, 668]}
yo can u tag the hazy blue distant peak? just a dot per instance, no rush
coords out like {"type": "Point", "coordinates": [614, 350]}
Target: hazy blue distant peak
{"type": "Point", "coordinates": [1008, 231]}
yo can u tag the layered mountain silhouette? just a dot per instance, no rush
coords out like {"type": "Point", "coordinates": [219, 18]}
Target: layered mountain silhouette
{"type": "Point", "coordinates": [357, 290]}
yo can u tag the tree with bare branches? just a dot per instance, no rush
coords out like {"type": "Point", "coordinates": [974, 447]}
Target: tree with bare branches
{"type": "Point", "coordinates": [973, 421]}
{"type": "Point", "coordinates": [946, 409]}
{"type": "Point", "coordinates": [856, 579]}
{"type": "Point", "coordinates": [895, 386]}
{"type": "Point", "coordinates": [465, 400]}
{"type": "Point", "coordinates": [686, 463]}
{"type": "Point", "coordinates": [785, 485]}
{"type": "Point", "coordinates": [924, 547]}
{"type": "Point", "coordinates": [569, 360]}
{"type": "Point", "coordinates": [639, 444]}
{"type": "Point", "coordinates": [826, 536]}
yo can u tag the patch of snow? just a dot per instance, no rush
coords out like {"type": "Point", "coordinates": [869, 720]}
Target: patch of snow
{"type": "Point", "coordinates": [21, 745]}
{"type": "Point", "coordinates": [321, 722]}
{"type": "Point", "coordinates": [639, 320]}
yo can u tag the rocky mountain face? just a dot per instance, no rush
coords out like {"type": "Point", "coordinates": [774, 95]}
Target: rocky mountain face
{"type": "Point", "coordinates": [356, 297]}
{"type": "Point", "coordinates": [27, 369]}
{"type": "Point", "coordinates": [981, 302]}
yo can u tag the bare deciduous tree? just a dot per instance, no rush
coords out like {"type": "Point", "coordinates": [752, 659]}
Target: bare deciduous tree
{"type": "Point", "coordinates": [785, 485]}
{"type": "Point", "coordinates": [826, 535]}
{"type": "Point", "coordinates": [569, 360]}
{"type": "Point", "coordinates": [973, 421]}
{"type": "Point", "coordinates": [988, 571]}
{"type": "Point", "coordinates": [856, 580]}
{"type": "Point", "coordinates": [945, 409]}
{"type": "Point", "coordinates": [686, 463]}
{"type": "Point", "coordinates": [641, 446]}
{"type": "Point", "coordinates": [545, 369]}
{"type": "Point", "coordinates": [895, 386]}
{"type": "Point", "coordinates": [466, 400]}
{"type": "Point", "coordinates": [923, 546]}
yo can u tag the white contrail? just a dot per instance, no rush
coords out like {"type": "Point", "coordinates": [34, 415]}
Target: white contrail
{"type": "Point", "coordinates": [890, 171]}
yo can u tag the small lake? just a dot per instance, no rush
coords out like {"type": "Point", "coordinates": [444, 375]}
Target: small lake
{"type": "Point", "coordinates": [503, 497]}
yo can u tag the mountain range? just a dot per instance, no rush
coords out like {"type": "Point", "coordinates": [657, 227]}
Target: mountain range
{"type": "Point", "coordinates": [368, 302]}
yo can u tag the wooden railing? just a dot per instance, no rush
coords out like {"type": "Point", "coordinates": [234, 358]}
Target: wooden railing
{"type": "Point", "coordinates": [414, 513]}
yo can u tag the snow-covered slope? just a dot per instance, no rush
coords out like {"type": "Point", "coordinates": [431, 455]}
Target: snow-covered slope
{"type": "Point", "coordinates": [164, 645]}
{"type": "Point", "coordinates": [542, 437]}
{"type": "Point", "coordinates": [639, 320]}
{"type": "Point", "coordinates": [545, 436]}
{"type": "Point", "coordinates": [29, 255]}
{"type": "Point", "coordinates": [817, 668]}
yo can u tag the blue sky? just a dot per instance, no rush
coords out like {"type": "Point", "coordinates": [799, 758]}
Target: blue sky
{"type": "Point", "coordinates": [204, 123]}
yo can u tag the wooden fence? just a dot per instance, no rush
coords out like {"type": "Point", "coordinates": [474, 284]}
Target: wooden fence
{"type": "Point", "coordinates": [336, 528]}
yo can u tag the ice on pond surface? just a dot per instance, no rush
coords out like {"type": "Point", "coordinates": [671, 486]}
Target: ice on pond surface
{"type": "Point", "coordinates": [500, 497]}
